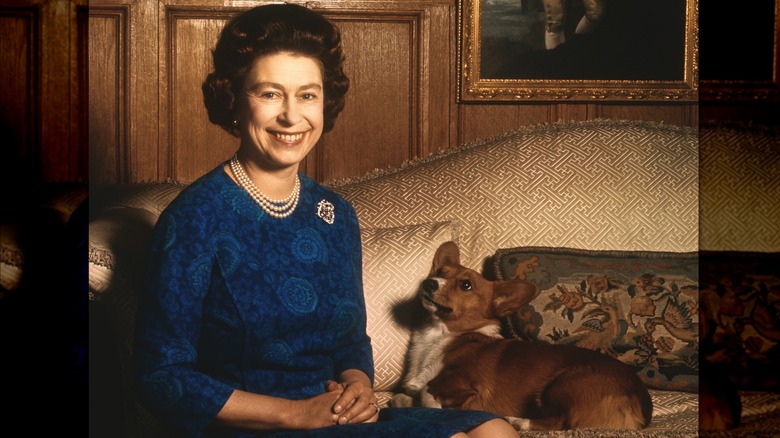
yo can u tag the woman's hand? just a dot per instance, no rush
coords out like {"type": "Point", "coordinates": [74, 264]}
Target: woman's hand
{"type": "Point", "coordinates": [317, 411]}
{"type": "Point", "coordinates": [357, 403]}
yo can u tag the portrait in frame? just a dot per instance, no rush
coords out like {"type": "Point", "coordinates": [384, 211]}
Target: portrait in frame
{"type": "Point", "coordinates": [578, 50]}
{"type": "Point", "coordinates": [739, 51]}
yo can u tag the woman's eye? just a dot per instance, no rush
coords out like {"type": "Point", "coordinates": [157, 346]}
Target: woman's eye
{"type": "Point", "coordinates": [309, 96]}
{"type": "Point", "coordinates": [465, 285]}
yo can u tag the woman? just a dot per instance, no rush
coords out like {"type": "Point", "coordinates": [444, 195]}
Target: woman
{"type": "Point", "coordinates": [254, 321]}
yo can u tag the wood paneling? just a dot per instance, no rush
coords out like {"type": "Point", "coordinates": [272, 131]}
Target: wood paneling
{"type": "Point", "coordinates": [191, 143]}
{"type": "Point", "coordinates": [398, 105]}
{"type": "Point", "coordinates": [402, 103]}
{"type": "Point", "coordinates": [41, 94]}
{"type": "Point", "coordinates": [18, 106]}
{"type": "Point", "coordinates": [108, 68]}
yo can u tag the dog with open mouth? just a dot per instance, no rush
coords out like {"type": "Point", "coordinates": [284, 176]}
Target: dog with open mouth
{"type": "Point", "coordinates": [459, 360]}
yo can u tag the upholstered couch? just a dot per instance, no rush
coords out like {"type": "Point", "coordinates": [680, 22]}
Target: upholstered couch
{"type": "Point", "coordinates": [602, 215]}
{"type": "Point", "coordinates": [33, 227]}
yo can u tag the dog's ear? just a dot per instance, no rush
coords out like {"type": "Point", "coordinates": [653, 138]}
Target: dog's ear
{"type": "Point", "coordinates": [511, 296]}
{"type": "Point", "coordinates": [447, 254]}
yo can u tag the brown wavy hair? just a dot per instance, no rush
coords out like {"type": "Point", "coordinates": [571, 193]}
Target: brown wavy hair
{"type": "Point", "coordinates": [266, 30]}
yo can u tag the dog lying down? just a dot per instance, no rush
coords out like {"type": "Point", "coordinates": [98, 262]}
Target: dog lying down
{"type": "Point", "coordinates": [459, 360]}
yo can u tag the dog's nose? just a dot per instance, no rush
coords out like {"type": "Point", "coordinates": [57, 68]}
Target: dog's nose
{"type": "Point", "coordinates": [430, 285]}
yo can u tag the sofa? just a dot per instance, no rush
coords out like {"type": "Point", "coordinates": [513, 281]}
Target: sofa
{"type": "Point", "coordinates": [34, 228]}
{"type": "Point", "coordinates": [602, 215]}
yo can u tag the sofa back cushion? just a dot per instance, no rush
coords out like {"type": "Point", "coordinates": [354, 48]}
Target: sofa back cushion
{"type": "Point", "coordinates": [603, 184]}
{"type": "Point", "coordinates": [740, 187]}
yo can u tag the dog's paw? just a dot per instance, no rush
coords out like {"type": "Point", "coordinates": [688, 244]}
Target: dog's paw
{"type": "Point", "coordinates": [413, 387]}
{"type": "Point", "coordinates": [401, 401]}
{"type": "Point", "coordinates": [429, 401]}
{"type": "Point", "coordinates": [519, 423]}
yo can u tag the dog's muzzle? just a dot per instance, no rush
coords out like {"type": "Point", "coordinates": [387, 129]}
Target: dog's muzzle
{"type": "Point", "coordinates": [429, 287]}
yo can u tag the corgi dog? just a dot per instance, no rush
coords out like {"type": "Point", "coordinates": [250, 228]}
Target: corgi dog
{"type": "Point", "coordinates": [459, 360]}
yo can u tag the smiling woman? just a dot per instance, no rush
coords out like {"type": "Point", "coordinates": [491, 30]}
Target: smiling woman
{"type": "Point", "coordinates": [254, 319]}
{"type": "Point", "coordinates": [279, 115]}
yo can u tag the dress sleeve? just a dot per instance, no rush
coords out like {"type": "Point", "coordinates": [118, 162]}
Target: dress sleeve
{"type": "Point", "coordinates": [168, 328]}
{"type": "Point", "coordinates": [357, 353]}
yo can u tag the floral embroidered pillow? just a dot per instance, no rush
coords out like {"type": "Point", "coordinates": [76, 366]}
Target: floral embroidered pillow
{"type": "Point", "coordinates": [740, 297]}
{"type": "Point", "coordinates": [640, 307]}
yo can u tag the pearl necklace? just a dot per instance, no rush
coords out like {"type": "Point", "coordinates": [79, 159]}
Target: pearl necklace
{"type": "Point", "coordinates": [278, 209]}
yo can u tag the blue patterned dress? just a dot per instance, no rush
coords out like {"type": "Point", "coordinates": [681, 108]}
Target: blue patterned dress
{"type": "Point", "coordinates": [240, 300]}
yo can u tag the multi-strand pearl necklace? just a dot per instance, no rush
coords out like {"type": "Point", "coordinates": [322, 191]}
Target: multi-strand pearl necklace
{"type": "Point", "coordinates": [278, 209]}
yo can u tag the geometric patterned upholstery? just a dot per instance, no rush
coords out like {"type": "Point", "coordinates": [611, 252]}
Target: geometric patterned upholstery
{"type": "Point", "coordinates": [740, 188]}
{"type": "Point", "coordinates": [395, 261]}
{"type": "Point", "coordinates": [600, 184]}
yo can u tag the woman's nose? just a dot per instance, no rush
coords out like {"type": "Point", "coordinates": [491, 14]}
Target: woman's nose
{"type": "Point", "coordinates": [291, 113]}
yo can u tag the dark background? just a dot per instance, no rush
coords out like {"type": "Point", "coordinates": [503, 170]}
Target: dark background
{"type": "Point", "coordinates": [636, 40]}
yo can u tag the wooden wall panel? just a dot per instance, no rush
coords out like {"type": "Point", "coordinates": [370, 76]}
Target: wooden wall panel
{"type": "Point", "coordinates": [380, 122]}
{"type": "Point", "coordinates": [144, 158]}
{"type": "Point", "coordinates": [382, 114]}
{"type": "Point", "coordinates": [400, 103]}
{"type": "Point", "coordinates": [483, 120]}
{"type": "Point", "coordinates": [57, 103]}
{"type": "Point", "coordinates": [674, 114]}
{"type": "Point", "coordinates": [193, 144]}
{"type": "Point", "coordinates": [18, 106]}
{"type": "Point", "coordinates": [40, 98]}
{"type": "Point", "coordinates": [108, 69]}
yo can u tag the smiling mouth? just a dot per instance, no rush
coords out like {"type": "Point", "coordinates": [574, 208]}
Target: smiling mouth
{"type": "Point", "coordinates": [439, 308]}
{"type": "Point", "coordinates": [288, 138]}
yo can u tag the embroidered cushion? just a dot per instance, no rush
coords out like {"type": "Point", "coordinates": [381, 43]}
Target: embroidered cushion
{"type": "Point", "coordinates": [638, 306]}
{"type": "Point", "coordinates": [741, 306]}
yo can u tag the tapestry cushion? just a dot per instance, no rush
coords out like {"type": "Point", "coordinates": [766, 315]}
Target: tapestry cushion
{"type": "Point", "coordinates": [741, 309]}
{"type": "Point", "coordinates": [395, 261]}
{"type": "Point", "coordinates": [638, 306]}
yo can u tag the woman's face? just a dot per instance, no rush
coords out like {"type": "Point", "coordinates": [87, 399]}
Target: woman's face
{"type": "Point", "coordinates": [281, 113]}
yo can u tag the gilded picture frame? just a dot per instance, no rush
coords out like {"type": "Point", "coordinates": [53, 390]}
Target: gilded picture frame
{"type": "Point", "coordinates": [743, 63]}
{"type": "Point", "coordinates": [539, 50]}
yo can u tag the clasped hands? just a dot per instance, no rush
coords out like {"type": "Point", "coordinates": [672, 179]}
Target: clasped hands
{"type": "Point", "coordinates": [356, 402]}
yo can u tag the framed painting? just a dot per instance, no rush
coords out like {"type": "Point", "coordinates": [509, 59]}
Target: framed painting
{"type": "Point", "coordinates": [578, 50]}
{"type": "Point", "coordinates": [739, 51]}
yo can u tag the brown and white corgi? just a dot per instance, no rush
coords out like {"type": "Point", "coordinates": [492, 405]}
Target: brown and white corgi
{"type": "Point", "coordinates": [460, 360]}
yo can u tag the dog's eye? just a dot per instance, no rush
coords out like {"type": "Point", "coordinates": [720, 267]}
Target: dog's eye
{"type": "Point", "coordinates": [465, 285]}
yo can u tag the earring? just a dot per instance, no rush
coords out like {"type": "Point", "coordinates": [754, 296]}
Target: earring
{"type": "Point", "coordinates": [235, 122]}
